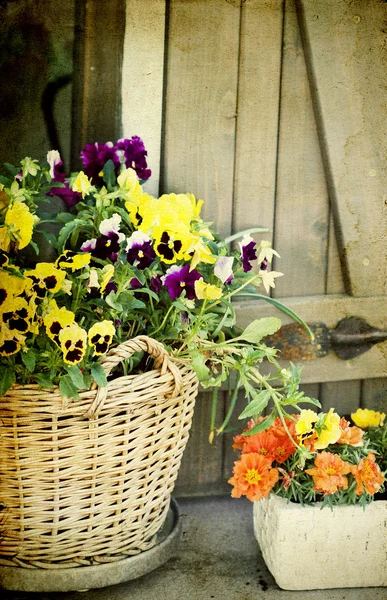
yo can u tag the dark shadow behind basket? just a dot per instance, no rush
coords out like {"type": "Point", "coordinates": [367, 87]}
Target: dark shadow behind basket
{"type": "Point", "coordinates": [89, 480]}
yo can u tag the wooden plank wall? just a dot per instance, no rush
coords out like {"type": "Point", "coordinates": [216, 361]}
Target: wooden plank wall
{"type": "Point", "coordinates": [229, 115]}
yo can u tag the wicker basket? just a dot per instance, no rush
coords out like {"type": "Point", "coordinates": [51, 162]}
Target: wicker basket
{"type": "Point", "coordinates": [89, 480]}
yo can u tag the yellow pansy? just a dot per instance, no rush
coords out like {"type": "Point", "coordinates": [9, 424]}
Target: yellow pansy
{"type": "Point", "coordinates": [73, 342]}
{"type": "Point", "coordinates": [365, 417]}
{"type": "Point", "coordinates": [198, 252]}
{"type": "Point", "coordinates": [82, 184]}
{"type": "Point", "coordinates": [206, 291]}
{"type": "Point", "coordinates": [306, 421]}
{"type": "Point", "coordinates": [172, 241]}
{"type": "Point", "coordinates": [330, 432]}
{"type": "Point", "coordinates": [18, 227]}
{"type": "Point", "coordinates": [46, 278]}
{"type": "Point", "coordinates": [57, 319]}
{"type": "Point", "coordinates": [196, 206]}
{"type": "Point", "coordinates": [100, 336]}
{"type": "Point", "coordinates": [128, 181]}
{"type": "Point", "coordinates": [16, 314]}
{"type": "Point", "coordinates": [73, 260]}
{"type": "Point", "coordinates": [10, 286]}
{"type": "Point", "coordinates": [107, 275]}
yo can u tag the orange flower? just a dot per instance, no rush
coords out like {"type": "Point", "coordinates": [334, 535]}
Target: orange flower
{"type": "Point", "coordinates": [328, 473]}
{"type": "Point", "coordinates": [239, 440]}
{"type": "Point", "coordinates": [368, 475]}
{"type": "Point", "coordinates": [274, 443]}
{"type": "Point", "coordinates": [350, 435]}
{"type": "Point", "coordinates": [253, 477]}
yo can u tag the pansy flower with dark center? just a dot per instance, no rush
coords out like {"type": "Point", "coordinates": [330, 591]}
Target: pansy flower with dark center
{"type": "Point", "coordinates": [135, 156]}
{"type": "Point", "coordinates": [94, 157]}
{"type": "Point", "coordinates": [10, 286]}
{"type": "Point", "coordinates": [16, 315]}
{"type": "Point", "coordinates": [139, 250]}
{"type": "Point", "coordinates": [248, 252]}
{"type": "Point", "coordinates": [46, 278]}
{"type": "Point", "coordinates": [73, 342]}
{"type": "Point", "coordinates": [171, 242]}
{"type": "Point", "coordinates": [178, 279]}
{"type": "Point", "coordinates": [57, 319]}
{"type": "Point", "coordinates": [100, 336]}
{"type": "Point", "coordinates": [107, 246]}
{"type": "Point", "coordinates": [10, 345]}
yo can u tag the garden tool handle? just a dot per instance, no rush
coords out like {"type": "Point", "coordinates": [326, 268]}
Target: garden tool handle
{"type": "Point", "coordinates": [155, 349]}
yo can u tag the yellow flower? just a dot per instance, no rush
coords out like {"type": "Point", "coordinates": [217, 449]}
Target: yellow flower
{"type": "Point", "coordinates": [73, 342]}
{"type": "Point", "coordinates": [199, 252]}
{"type": "Point", "coordinates": [10, 341]}
{"type": "Point", "coordinates": [72, 260]}
{"type": "Point", "coordinates": [100, 336]}
{"type": "Point", "coordinates": [82, 184]}
{"type": "Point", "coordinates": [46, 278]}
{"type": "Point", "coordinates": [306, 421]}
{"type": "Point", "coordinates": [57, 319]}
{"type": "Point", "coordinates": [172, 241]}
{"type": "Point", "coordinates": [18, 227]}
{"type": "Point", "coordinates": [107, 275]}
{"type": "Point", "coordinates": [196, 206]}
{"type": "Point", "coordinates": [331, 431]}
{"type": "Point", "coordinates": [16, 314]}
{"type": "Point", "coordinates": [128, 182]}
{"type": "Point", "coordinates": [206, 291]}
{"type": "Point", "coordinates": [10, 286]}
{"type": "Point", "coordinates": [142, 211]}
{"type": "Point", "coordinates": [364, 418]}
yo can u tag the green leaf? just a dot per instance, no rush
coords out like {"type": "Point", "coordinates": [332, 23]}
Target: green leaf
{"type": "Point", "coordinates": [67, 387]}
{"type": "Point", "coordinates": [111, 300]}
{"type": "Point", "coordinates": [13, 170]}
{"type": "Point", "coordinates": [282, 308]}
{"type": "Point", "coordinates": [265, 424]}
{"type": "Point", "coordinates": [259, 328]}
{"type": "Point", "coordinates": [109, 176]}
{"type": "Point", "coordinates": [7, 379]}
{"type": "Point", "coordinates": [68, 230]}
{"type": "Point", "coordinates": [257, 405]}
{"type": "Point", "coordinates": [64, 217]}
{"type": "Point", "coordinates": [44, 381]}
{"type": "Point", "coordinates": [29, 359]}
{"type": "Point", "coordinates": [35, 247]}
{"type": "Point", "coordinates": [99, 375]}
{"type": "Point", "coordinates": [240, 234]}
{"type": "Point", "coordinates": [76, 377]}
{"type": "Point", "coordinates": [199, 365]}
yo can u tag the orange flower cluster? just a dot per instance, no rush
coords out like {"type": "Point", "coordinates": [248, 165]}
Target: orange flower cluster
{"type": "Point", "coordinates": [262, 454]}
{"type": "Point", "coordinates": [253, 475]}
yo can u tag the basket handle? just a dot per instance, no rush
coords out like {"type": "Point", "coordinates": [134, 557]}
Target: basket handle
{"type": "Point", "coordinates": [116, 355]}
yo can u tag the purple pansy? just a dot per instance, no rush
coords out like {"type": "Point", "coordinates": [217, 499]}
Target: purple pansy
{"type": "Point", "coordinates": [139, 250]}
{"type": "Point", "coordinates": [58, 174]}
{"type": "Point", "coordinates": [108, 244]}
{"type": "Point", "coordinates": [135, 156]}
{"type": "Point", "coordinates": [135, 284]}
{"type": "Point", "coordinates": [178, 279]}
{"type": "Point", "coordinates": [156, 284]}
{"type": "Point", "coordinates": [248, 252]}
{"type": "Point", "coordinates": [95, 156]}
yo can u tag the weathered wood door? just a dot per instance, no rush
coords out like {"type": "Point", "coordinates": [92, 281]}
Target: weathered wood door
{"type": "Point", "coordinates": [273, 112]}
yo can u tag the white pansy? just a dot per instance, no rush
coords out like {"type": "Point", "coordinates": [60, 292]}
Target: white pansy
{"type": "Point", "coordinates": [112, 225]}
{"type": "Point", "coordinates": [223, 268]}
{"type": "Point", "coordinates": [53, 159]}
{"type": "Point", "coordinates": [138, 238]}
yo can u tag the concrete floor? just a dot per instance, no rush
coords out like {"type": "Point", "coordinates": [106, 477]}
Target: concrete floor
{"type": "Point", "coordinates": [218, 559]}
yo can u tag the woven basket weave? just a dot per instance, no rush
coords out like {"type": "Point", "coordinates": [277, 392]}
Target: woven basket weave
{"type": "Point", "coordinates": [89, 480]}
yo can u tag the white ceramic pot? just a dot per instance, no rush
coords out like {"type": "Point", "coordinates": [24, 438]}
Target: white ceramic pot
{"type": "Point", "coordinates": [307, 548]}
